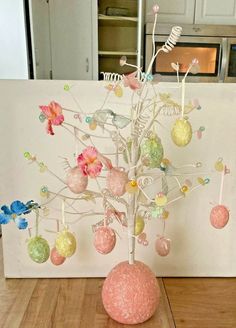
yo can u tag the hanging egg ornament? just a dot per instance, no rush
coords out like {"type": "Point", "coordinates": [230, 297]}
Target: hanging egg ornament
{"type": "Point", "coordinates": [116, 181]}
{"type": "Point", "coordinates": [38, 249]}
{"type": "Point", "coordinates": [76, 181]}
{"type": "Point", "coordinates": [139, 225]}
{"type": "Point", "coordinates": [181, 133]}
{"type": "Point", "coordinates": [162, 246]}
{"type": "Point", "coordinates": [56, 258]}
{"type": "Point", "coordinates": [219, 216]}
{"type": "Point", "coordinates": [104, 240]}
{"type": "Point", "coordinates": [65, 243]}
{"type": "Point", "coordinates": [152, 151]}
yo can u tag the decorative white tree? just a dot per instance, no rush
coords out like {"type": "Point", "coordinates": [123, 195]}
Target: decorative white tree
{"type": "Point", "coordinates": [133, 299]}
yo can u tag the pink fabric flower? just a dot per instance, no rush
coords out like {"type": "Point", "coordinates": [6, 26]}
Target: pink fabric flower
{"type": "Point", "coordinates": [88, 162]}
{"type": "Point", "coordinates": [53, 113]}
{"type": "Point", "coordinates": [131, 81]}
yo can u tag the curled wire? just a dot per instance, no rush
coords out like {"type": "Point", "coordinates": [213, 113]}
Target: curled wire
{"type": "Point", "coordinates": [113, 77]}
{"type": "Point", "coordinates": [172, 39]}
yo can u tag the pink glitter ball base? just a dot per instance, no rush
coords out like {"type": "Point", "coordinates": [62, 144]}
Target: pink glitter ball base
{"type": "Point", "coordinates": [219, 216]}
{"type": "Point", "coordinates": [130, 293]}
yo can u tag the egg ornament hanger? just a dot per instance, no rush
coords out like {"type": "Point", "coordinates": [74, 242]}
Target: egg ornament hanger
{"type": "Point", "coordinates": [115, 184]}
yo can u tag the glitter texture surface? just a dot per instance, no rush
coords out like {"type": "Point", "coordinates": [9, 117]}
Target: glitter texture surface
{"type": "Point", "coordinates": [38, 249]}
{"type": "Point", "coordinates": [104, 240]}
{"type": "Point", "coordinates": [56, 258]}
{"type": "Point", "coordinates": [116, 181]}
{"type": "Point", "coordinates": [130, 293]}
{"type": "Point", "coordinates": [181, 133]}
{"type": "Point", "coordinates": [66, 243]}
{"type": "Point", "coordinates": [76, 181]}
{"type": "Point", "coordinates": [219, 216]}
{"type": "Point", "coordinates": [162, 246]}
{"type": "Point", "coordinates": [152, 152]}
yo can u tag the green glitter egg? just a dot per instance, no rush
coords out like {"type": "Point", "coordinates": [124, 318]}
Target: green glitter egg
{"type": "Point", "coordinates": [129, 144]}
{"type": "Point", "coordinates": [66, 243]}
{"type": "Point", "coordinates": [152, 152]}
{"type": "Point", "coordinates": [38, 249]}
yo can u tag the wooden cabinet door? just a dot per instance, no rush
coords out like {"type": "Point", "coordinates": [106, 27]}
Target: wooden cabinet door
{"type": "Point", "coordinates": [172, 11]}
{"type": "Point", "coordinates": [72, 39]}
{"type": "Point", "coordinates": [215, 12]}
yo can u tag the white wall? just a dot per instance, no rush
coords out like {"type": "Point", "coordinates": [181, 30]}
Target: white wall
{"type": "Point", "coordinates": [13, 54]}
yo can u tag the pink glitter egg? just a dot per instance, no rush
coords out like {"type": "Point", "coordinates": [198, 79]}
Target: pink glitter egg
{"type": "Point", "coordinates": [104, 240]}
{"type": "Point", "coordinates": [130, 293]}
{"type": "Point", "coordinates": [76, 181]}
{"type": "Point", "coordinates": [162, 246]}
{"type": "Point", "coordinates": [219, 216]}
{"type": "Point", "coordinates": [116, 181]}
{"type": "Point", "coordinates": [56, 258]}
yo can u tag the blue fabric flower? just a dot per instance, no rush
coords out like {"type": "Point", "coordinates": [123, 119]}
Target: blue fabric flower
{"type": "Point", "coordinates": [16, 209]}
{"type": "Point", "coordinates": [21, 223]}
{"type": "Point", "coordinates": [5, 218]}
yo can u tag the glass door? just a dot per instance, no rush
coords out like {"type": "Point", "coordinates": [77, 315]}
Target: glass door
{"type": "Point", "coordinates": [207, 50]}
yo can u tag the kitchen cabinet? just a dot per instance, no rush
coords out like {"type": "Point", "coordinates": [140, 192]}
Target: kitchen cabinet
{"type": "Point", "coordinates": [194, 11]}
{"type": "Point", "coordinates": [172, 11]}
{"type": "Point", "coordinates": [120, 33]}
{"type": "Point", "coordinates": [215, 12]}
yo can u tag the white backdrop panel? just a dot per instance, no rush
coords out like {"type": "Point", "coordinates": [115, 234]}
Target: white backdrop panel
{"type": "Point", "coordinates": [197, 248]}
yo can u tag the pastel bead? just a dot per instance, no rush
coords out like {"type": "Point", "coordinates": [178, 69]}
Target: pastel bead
{"type": "Point", "coordinates": [116, 181]}
{"type": "Point", "coordinates": [56, 258]}
{"type": "Point", "coordinates": [65, 243]}
{"type": "Point", "coordinates": [219, 216]}
{"type": "Point", "coordinates": [38, 249]}
{"type": "Point", "coordinates": [130, 293]}
{"type": "Point", "coordinates": [104, 240]}
{"type": "Point", "coordinates": [181, 132]}
{"type": "Point", "coordinates": [162, 246]}
{"type": "Point", "coordinates": [76, 181]}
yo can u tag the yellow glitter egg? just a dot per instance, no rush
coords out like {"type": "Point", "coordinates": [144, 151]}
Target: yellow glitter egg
{"type": "Point", "coordinates": [181, 132]}
{"type": "Point", "coordinates": [65, 243]}
{"type": "Point", "coordinates": [161, 199]}
{"type": "Point", "coordinates": [139, 225]}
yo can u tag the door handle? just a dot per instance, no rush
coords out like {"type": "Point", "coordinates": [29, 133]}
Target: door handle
{"type": "Point", "coordinates": [224, 59]}
{"type": "Point", "coordinates": [87, 65]}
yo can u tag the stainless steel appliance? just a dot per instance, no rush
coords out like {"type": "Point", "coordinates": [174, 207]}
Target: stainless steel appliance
{"type": "Point", "coordinates": [214, 46]}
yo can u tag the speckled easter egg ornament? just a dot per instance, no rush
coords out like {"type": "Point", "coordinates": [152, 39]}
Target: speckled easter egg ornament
{"type": "Point", "coordinates": [181, 132]}
{"type": "Point", "coordinates": [130, 293]}
{"type": "Point", "coordinates": [76, 181]}
{"type": "Point", "coordinates": [139, 225]}
{"type": "Point", "coordinates": [56, 258]}
{"type": "Point", "coordinates": [219, 216]}
{"type": "Point", "coordinates": [162, 246]}
{"type": "Point", "coordinates": [104, 240]}
{"type": "Point", "coordinates": [116, 181]}
{"type": "Point", "coordinates": [152, 152]}
{"type": "Point", "coordinates": [65, 243]}
{"type": "Point", "coordinates": [38, 249]}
